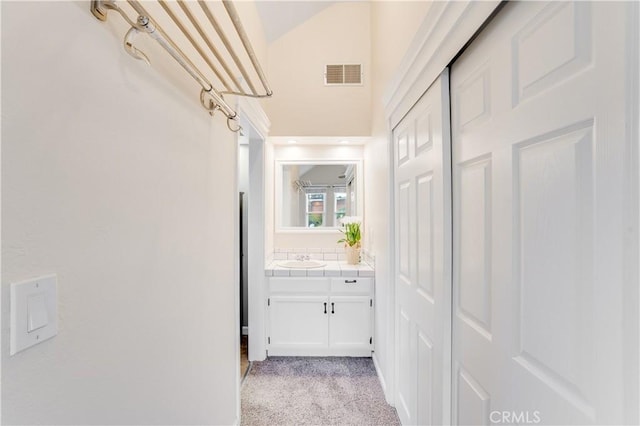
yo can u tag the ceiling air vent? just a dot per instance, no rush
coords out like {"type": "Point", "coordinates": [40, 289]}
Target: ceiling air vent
{"type": "Point", "coordinates": [343, 74]}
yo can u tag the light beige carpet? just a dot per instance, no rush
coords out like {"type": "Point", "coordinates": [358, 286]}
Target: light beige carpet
{"type": "Point", "coordinates": [314, 391]}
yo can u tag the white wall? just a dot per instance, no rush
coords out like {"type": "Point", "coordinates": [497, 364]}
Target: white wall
{"type": "Point", "coordinates": [252, 24]}
{"type": "Point", "coordinates": [115, 179]}
{"type": "Point", "coordinates": [393, 25]}
{"type": "Point", "coordinates": [302, 105]}
{"type": "Point", "coordinates": [243, 166]}
{"type": "Point", "coordinates": [315, 238]}
{"type": "Point", "coordinates": [269, 196]}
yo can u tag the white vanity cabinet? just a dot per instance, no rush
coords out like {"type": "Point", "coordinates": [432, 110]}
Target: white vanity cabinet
{"type": "Point", "coordinates": [320, 316]}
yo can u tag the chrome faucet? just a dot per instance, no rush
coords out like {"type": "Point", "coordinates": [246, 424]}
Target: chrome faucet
{"type": "Point", "coordinates": [302, 257]}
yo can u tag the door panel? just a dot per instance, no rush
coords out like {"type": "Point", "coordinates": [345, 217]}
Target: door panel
{"type": "Point", "coordinates": [406, 395]}
{"type": "Point", "coordinates": [425, 380]}
{"type": "Point", "coordinates": [404, 231]}
{"type": "Point", "coordinates": [422, 264]}
{"type": "Point", "coordinates": [472, 401]}
{"type": "Point", "coordinates": [424, 225]}
{"type": "Point", "coordinates": [538, 215]}
{"type": "Point", "coordinates": [473, 304]}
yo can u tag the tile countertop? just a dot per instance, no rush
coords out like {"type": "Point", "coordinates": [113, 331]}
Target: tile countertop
{"type": "Point", "coordinates": [334, 268]}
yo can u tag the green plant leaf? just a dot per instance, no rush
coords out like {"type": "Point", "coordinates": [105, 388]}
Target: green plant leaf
{"type": "Point", "coordinates": [352, 234]}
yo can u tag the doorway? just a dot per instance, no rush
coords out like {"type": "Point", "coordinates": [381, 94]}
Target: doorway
{"type": "Point", "coordinates": [250, 232]}
{"type": "Point", "coordinates": [243, 270]}
{"type": "Point", "coordinates": [251, 229]}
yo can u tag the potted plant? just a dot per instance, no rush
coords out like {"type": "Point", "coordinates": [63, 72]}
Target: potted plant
{"type": "Point", "coordinates": [351, 240]}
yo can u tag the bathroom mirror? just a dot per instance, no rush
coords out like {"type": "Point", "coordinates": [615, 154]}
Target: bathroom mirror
{"type": "Point", "coordinates": [315, 195]}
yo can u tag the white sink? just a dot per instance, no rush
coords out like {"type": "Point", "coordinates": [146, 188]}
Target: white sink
{"type": "Point", "coordinates": [301, 263]}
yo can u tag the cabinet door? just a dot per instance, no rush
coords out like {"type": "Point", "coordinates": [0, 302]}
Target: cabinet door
{"type": "Point", "coordinates": [350, 325]}
{"type": "Point", "coordinates": [297, 322]}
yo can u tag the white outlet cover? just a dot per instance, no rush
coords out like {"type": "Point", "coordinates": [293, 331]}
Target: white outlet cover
{"type": "Point", "coordinates": [34, 312]}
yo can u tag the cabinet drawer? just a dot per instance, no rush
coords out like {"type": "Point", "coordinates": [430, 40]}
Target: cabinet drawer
{"type": "Point", "coordinates": [351, 285]}
{"type": "Point", "coordinates": [298, 285]}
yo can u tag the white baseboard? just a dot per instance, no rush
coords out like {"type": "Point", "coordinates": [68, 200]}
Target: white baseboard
{"type": "Point", "coordinates": [383, 382]}
{"type": "Point", "coordinates": [296, 350]}
{"type": "Point", "coordinates": [245, 330]}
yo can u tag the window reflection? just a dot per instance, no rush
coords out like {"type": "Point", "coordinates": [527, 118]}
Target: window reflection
{"type": "Point", "coordinates": [317, 195]}
{"type": "Point", "coordinates": [315, 209]}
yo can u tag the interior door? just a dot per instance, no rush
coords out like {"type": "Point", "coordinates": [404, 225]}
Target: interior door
{"type": "Point", "coordinates": [422, 263]}
{"type": "Point", "coordinates": [539, 147]}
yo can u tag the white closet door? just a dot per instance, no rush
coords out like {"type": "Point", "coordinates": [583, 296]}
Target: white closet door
{"type": "Point", "coordinates": [422, 263]}
{"type": "Point", "coordinates": [539, 146]}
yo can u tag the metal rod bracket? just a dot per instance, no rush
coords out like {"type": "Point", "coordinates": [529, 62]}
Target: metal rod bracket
{"type": "Point", "coordinates": [211, 99]}
{"type": "Point", "coordinates": [98, 9]}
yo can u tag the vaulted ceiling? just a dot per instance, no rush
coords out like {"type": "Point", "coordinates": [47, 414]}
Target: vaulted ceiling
{"type": "Point", "coordinates": [280, 17]}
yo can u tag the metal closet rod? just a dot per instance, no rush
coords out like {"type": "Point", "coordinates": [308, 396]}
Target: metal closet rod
{"type": "Point", "coordinates": [147, 25]}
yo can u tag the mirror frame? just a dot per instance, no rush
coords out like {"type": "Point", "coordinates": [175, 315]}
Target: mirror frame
{"type": "Point", "coordinates": [279, 164]}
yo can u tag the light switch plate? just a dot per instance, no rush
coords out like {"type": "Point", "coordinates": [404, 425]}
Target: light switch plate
{"type": "Point", "coordinates": [34, 312]}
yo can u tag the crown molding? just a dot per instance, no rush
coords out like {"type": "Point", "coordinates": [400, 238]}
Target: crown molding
{"type": "Point", "coordinates": [251, 112]}
{"type": "Point", "coordinates": [446, 29]}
